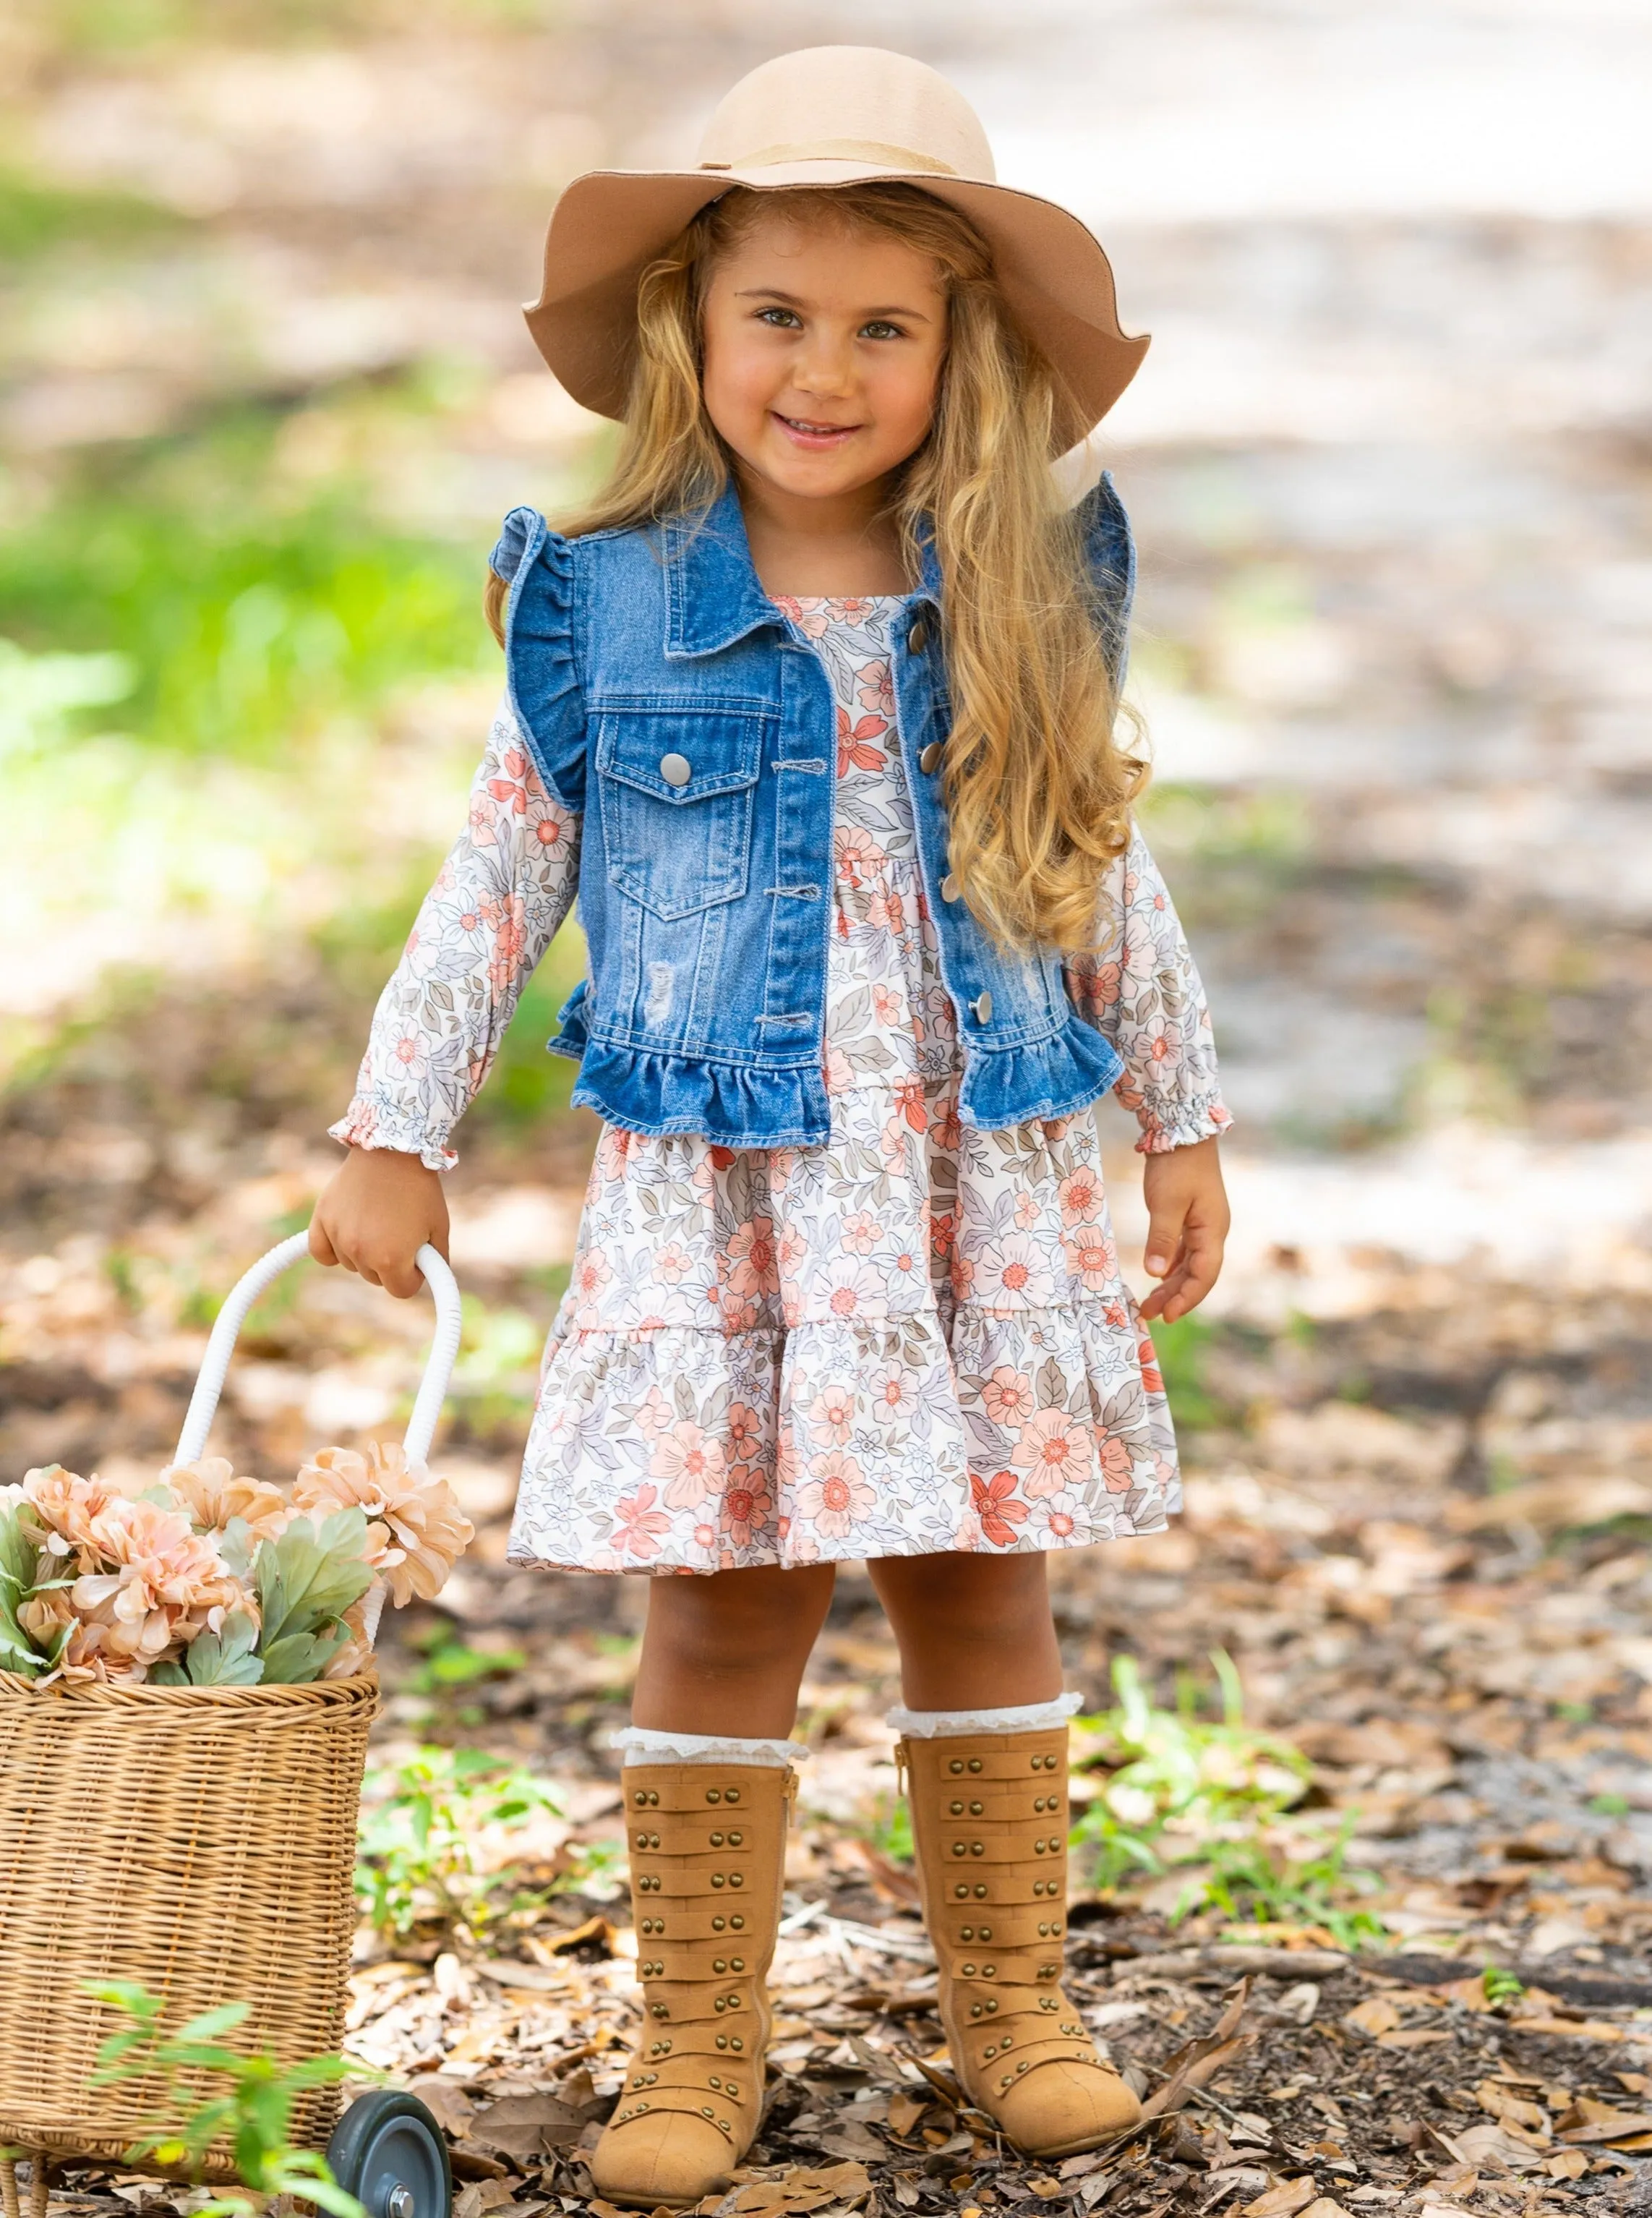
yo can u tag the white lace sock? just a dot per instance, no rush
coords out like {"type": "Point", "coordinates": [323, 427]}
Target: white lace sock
{"type": "Point", "coordinates": [945, 1725]}
{"type": "Point", "coordinates": [643, 1745]}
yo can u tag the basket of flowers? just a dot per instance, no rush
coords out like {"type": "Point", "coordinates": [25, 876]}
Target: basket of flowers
{"type": "Point", "coordinates": [186, 1685]}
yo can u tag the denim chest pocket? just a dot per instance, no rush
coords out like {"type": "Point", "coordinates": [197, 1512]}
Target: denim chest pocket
{"type": "Point", "coordinates": [677, 787]}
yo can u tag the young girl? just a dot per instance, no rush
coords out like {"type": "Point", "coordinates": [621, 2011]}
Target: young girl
{"type": "Point", "coordinates": [818, 702]}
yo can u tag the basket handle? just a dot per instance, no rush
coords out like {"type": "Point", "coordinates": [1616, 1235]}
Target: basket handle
{"type": "Point", "coordinates": [433, 1388]}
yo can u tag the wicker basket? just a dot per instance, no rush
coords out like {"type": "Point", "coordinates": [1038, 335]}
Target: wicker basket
{"type": "Point", "coordinates": [199, 1840]}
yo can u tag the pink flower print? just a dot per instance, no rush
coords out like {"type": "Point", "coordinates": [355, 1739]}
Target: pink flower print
{"type": "Point", "coordinates": [482, 834]}
{"type": "Point", "coordinates": [848, 1289]}
{"type": "Point", "coordinates": [891, 1392]}
{"type": "Point", "coordinates": [1081, 1196]}
{"type": "Point", "coordinates": [508, 920]}
{"type": "Point", "coordinates": [855, 742]}
{"type": "Point", "coordinates": [997, 1507]}
{"type": "Point", "coordinates": [742, 1431]}
{"type": "Point", "coordinates": [1052, 1450]}
{"type": "Point", "coordinates": [836, 1070]}
{"type": "Point", "coordinates": [736, 1312]}
{"type": "Point", "coordinates": [655, 1413]}
{"type": "Point", "coordinates": [1147, 1356]}
{"type": "Point", "coordinates": [942, 1231]}
{"type": "Point", "coordinates": [1028, 1210]}
{"type": "Point", "coordinates": [904, 1268]}
{"type": "Point", "coordinates": [638, 1524]}
{"type": "Point", "coordinates": [910, 1105]}
{"type": "Point", "coordinates": [705, 1537]}
{"type": "Point", "coordinates": [888, 1007]}
{"type": "Point", "coordinates": [1092, 1257]}
{"type": "Point", "coordinates": [1010, 1269]}
{"type": "Point", "coordinates": [1141, 960]}
{"type": "Point", "coordinates": [689, 1461]}
{"type": "Point", "coordinates": [552, 831]}
{"type": "Point", "coordinates": [835, 1497]}
{"type": "Point", "coordinates": [1056, 1516]}
{"type": "Point", "coordinates": [1055, 1130]}
{"type": "Point", "coordinates": [944, 1126]}
{"type": "Point", "coordinates": [963, 1275]}
{"type": "Point", "coordinates": [1007, 1396]}
{"type": "Point", "coordinates": [409, 1059]}
{"type": "Point", "coordinates": [1116, 1467]}
{"type": "Point", "coordinates": [1114, 1314]}
{"type": "Point", "coordinates": [1159, 1044]}
{"type": "Point", "coordinates": [746, 1507]}
{"type": "Point", "coordinates": [875, 689]}
{"type": "Point", "coordinates": [590, 1274]}
{"type": "Point", "coordinates": [831, 1415]}
{"type": "Point", "coordinates": [1099, 988]}
{"type": "Point", "coordinates": [672, 1263]}
{"type": "Point", "coordinates": [861, 1232]}
{"type": "Point", "coordinates": [510, 791]}
{"type": "Point", "coordinates": [887, 910]}
{"type": "Point", "coordinates": [861, 861]}
{"type": "Point", "coordinates": [749, 1256]}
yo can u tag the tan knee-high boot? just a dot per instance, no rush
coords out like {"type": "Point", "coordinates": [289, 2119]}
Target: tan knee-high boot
{"type": "Point", "coordinates": [989, 1821]}
{"type": "Point", "coordinates": [707, 1847]}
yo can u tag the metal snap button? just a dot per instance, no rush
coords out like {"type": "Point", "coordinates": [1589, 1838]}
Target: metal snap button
{"type": "Point", "coordinates": [930, 756]}
{"type": "Point", "coordinates": [948, 888]}
{"type": "Point", "coordinates": [676, 770]}
{"type": "Point", "coordinates": [982, 1005]}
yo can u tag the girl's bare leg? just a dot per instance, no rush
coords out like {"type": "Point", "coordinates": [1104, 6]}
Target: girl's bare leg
{"type": "Point", "coordinates": [974, 1632]}
{"type": "Point", "coordinates": [725, 1653]}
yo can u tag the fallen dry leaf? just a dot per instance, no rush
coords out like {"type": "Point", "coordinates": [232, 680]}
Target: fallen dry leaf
{"type": "Point", "coordinates": [1285, 2200]}
{"type": "Point", "coordinates": [1376, 2015]}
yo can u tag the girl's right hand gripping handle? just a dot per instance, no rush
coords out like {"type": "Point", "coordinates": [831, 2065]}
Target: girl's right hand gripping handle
{"type": "Point", "coordinates": [444, 1349]}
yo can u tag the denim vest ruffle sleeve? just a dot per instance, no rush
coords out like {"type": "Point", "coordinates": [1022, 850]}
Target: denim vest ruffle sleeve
{"type": "Point", "coordinates": [537, 564]}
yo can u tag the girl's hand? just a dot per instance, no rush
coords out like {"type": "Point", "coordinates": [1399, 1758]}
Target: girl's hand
{"type": "Point", "coordinates": [375, 1212]}
{"type": "Point", "coordinates": [1188, 1218]}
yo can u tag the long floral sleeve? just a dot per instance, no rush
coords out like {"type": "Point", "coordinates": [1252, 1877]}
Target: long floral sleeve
{"type": "Point", "coordinates": [1141, 989]}
{"type": "Point", "coordinates": [496, 906]}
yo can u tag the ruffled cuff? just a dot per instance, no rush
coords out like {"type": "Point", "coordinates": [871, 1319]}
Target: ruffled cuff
{"type": "Point", "coordinates": [370, 1123]}
{"type": "Point", "coordinates": [1201, 1119]}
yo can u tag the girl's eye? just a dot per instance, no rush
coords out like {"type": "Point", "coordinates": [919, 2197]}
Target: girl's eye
{"type": "Point", "coordinates": [779, 320]}
{"type": "Point", "coordinates": [880, 331]}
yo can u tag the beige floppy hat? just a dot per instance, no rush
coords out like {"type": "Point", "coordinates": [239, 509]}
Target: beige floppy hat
{"type": "Point", "coordinates": [830, 116]}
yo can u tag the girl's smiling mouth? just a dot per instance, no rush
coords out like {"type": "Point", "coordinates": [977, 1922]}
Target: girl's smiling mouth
{"type": "Point", "coordinates": [819, 435]}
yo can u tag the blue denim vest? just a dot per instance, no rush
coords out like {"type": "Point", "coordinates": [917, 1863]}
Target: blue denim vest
{"type": "Point", "coordinates": [666, 697]}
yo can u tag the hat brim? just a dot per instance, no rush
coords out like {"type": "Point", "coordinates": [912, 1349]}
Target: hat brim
{"type": "Point", "coordinates": [610, 223]}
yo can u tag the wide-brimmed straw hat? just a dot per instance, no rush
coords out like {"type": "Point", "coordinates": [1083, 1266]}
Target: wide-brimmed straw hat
{"type": "Point", "coordinates": [830, 116]}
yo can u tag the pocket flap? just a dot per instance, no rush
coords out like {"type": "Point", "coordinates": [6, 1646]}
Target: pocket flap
{"type": "Point", "coordinates": [681, 755]}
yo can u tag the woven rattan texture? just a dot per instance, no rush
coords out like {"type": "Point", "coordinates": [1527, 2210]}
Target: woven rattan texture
{"type": "Point", "coordinates": [200, 1841]}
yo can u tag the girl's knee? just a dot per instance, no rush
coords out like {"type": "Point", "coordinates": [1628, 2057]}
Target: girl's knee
{"type": "Point", "coordinates": [744, 1620]}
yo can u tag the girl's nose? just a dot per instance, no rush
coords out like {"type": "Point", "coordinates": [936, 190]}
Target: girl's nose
{"type": "Point", "coordinates": [826, 368]}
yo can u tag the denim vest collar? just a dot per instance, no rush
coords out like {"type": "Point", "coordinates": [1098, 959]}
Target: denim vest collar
{"type": "Point", "coordinates": [713, 594]}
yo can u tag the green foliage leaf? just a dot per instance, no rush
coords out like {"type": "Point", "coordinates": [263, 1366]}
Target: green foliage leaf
{"type": "Point", "coordinates": [307, 1579]}
{"type": "Point", "coordinates": [227, 1659]}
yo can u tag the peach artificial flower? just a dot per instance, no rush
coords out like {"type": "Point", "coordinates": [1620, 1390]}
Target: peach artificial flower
{"type": "Point", "coordinates": [415, 1529]}
{"type": "Point", "coordinates": [163, 1583]}
{"type": "Point", "coordinates": [211, 1493]}
{"type": "Point", "coordinates": [65, 1505]}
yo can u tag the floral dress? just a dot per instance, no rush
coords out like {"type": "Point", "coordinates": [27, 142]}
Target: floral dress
{"type": "Point", "coordinates": [913, 1337]}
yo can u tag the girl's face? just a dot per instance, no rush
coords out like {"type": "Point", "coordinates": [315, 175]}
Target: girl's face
{"type": "Point", "coordinates": [823, 348]}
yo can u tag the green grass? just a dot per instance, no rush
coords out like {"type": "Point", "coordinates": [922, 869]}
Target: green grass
{"type": "Point", "coordinates": [37, 218]}
{"type": "Point", "coordinates": [1182, 1345]}
{"type": "Point", "coordinates": [1213, 1798]}
{"type": "Point", "coordinates": [250, 614]}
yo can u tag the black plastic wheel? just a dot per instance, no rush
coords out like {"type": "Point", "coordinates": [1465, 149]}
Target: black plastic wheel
{"type": "Point", "coordinates": [387, 2150]}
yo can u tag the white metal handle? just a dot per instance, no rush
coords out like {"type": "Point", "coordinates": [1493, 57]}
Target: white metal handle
{"type": "Point", "coordinates": [433, 1388]}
